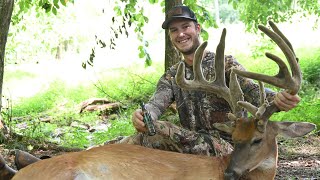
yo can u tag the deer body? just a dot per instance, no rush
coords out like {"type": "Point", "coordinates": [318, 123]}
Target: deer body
{"type": "Point", "coordinates": [124, 161]}
{"type": "Point", "coordinates": [255, 147]}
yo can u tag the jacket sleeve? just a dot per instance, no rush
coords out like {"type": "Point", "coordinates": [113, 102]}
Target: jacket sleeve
{"type": "Point", "coordinates": [163, 96]}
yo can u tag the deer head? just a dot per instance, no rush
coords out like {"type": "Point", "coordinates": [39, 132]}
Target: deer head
{"type": "Point", "coordinates": [253, 137]}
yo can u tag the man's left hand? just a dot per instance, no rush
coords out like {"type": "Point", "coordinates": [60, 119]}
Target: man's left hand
{"type": "Point", "coordinates": [286, 101]}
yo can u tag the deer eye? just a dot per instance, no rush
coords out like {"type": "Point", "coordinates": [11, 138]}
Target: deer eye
{"type": "Point", "coordinates": [256, 142]}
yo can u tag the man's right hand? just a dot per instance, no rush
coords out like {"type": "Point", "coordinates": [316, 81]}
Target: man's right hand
{"type": "Point", "coordinates": [137, 120]}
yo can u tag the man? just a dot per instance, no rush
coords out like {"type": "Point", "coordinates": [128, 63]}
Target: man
{"type": "Point", "coordinates": [198, 111]}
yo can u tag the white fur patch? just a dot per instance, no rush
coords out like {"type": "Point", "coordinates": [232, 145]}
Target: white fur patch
{"type": "Point", "coordinates": [268, 163]}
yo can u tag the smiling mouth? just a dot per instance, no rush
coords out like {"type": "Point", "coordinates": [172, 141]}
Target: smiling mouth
{"type": "Point", "coordinates": [184, 41]}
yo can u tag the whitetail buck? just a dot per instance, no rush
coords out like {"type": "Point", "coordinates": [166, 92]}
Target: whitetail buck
{"type": "Point", "coordinates": [255, 153]}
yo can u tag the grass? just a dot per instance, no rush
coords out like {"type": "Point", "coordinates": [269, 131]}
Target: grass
{"type": "Point", "coordinates": [18, 74]}
{"type": "Point", "coordinates": [60, 103]}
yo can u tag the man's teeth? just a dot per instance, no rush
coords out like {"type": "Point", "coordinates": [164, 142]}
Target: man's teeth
{"type": "Point", "coordinates": [183, 41]}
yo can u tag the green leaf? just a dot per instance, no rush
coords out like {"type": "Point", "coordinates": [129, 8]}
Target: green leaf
{"type": "Point", "coordinates": [54, 10]}
{"type": "Point", "coordinates": [141, 52]}
{"type": "Point", "coordinates": [84, 65]}
{"type": "Point", "coordinates": [146, 19]}
{"type": "Point", "coordinates": [204, 35]}
{"type": "Point", "coordinates": [117, 10]}
{"type": "Point", "coordinates": [63, 2]}
{"type": "Point", "coordinates": [48, 10]}
{"type": "Point", "coordinates": [21, 5]}
{"type": "Point", "coordinates": [55, 2]}
{"type": "Point", "coordinates": [153, 1]}
{"type": "Point", "coordinates": [56, 6]}
{"type": "Point", "coordinates": [148, 60]}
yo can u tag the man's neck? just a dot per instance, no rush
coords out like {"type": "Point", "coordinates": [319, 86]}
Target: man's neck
{"type": "Point", "coordinates": [189, 59]}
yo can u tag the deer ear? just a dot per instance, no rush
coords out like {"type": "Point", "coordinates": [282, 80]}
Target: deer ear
{"type": "Point", "coordinates": [294, 129]}
{"type": "Point", "coordinates": [227, 128]}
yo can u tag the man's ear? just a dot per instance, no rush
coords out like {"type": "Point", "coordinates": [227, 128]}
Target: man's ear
{"type": "Point", "coordinates": [198, 27]}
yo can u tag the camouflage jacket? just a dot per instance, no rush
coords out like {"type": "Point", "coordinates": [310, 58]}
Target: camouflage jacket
{"type": "Point", "coordinates": [199, 110]}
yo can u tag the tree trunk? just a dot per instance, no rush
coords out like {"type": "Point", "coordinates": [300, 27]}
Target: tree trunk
{"type": "Point", "coordinates": [6, 8]}
{"type": "Point", "coordinates": [172, 56]}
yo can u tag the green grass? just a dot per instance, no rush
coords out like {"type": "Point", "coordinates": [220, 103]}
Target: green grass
{"type": "Point", "coordinates": [61, 103]}
{"type": "Point", "coordinates": [16, 75]}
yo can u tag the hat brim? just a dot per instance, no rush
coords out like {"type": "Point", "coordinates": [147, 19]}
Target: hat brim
{"type": "Point", "coordinates": [166, 23]}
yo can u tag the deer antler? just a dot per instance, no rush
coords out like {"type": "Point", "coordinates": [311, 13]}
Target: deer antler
{"type": "Point", "coordinates": [218, 85]}
{"type": "Point", "coordinates": [283, 79]}
{"type": "Point", "coordinates": [290, 82]}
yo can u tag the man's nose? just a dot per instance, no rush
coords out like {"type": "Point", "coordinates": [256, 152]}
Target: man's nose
{"type": "Point", "coordinates": [181, 33]}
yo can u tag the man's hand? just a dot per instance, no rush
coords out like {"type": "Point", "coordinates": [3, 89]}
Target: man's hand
{"type": "Point", "coordinates": [137, 120]}
{"type": "Point", "coordinates": [285, 101]}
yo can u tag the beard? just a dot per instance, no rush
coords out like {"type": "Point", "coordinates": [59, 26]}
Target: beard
{"type": "Point", "coordinates": [192, 49]}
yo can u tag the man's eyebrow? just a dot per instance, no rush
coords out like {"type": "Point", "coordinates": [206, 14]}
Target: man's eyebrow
{"type": "Point", "coordinates": [186, 23]}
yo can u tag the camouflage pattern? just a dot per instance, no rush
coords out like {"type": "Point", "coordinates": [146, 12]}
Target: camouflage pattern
{"type": "Point", "coordinates": [171, 137]}
{"type": "Point", "coordinates": [197, 110]}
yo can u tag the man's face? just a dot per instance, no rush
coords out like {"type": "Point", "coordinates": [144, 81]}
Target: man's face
{"type": "Point", "coordinates": [184, 35]}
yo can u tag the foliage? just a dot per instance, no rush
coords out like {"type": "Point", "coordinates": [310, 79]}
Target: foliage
{"type": "Point", "coordinates": [32, 25]}
{"type": "Point", "coordinates": [261, 46]}
{"type": "Point", "coordinates": [48, 6]}
{"type": "Point", "coordinates": [306, 111]}
{"type": "Point", "coordinates": [39, 103]}
{"type": "Point", "coordinates": [228, 14]}
{"type": "Point", "coordinates": [255, 12]}
{"type": "Point", "coordinates": [133, 86]}
{"type": "Point", "coordinates": [10, 76]}
{"type": "Point", "coordinates": [311, 69]}
{"type": "Point", "coordinates": [128, 14]}
{"type": "Point", "coordinates": [204, 17]}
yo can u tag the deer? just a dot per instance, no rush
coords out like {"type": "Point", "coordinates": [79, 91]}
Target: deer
{"type": "Point", "coordinates": [255, 152]}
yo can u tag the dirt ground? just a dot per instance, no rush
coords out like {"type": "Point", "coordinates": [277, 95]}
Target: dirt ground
{"type": "Point", "coordinates": [299, 158]}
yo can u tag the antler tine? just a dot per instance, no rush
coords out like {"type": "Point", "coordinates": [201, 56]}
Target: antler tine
{"type": "Point", "coordinates": [218, 86]}
{"type": "Point", "coordinates": [283, 79]}
{"type": "Point", "coordinates": [219, 61]}
{"type": "Point", "coordinates": [276, 30]}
